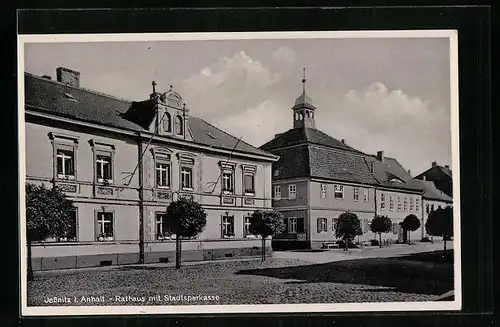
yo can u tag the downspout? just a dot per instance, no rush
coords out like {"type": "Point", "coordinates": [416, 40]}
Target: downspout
{"type": "Point", "coordinates": [141, 203]}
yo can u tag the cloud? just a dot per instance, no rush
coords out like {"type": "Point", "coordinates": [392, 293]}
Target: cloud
{"type": "Point", "coordinates": [285, 55]}
{"type": "Point", "coordinates": [228, 85]}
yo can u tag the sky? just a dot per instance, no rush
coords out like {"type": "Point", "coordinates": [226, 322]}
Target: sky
{"type": "Point", "coordinates": [388, 94]}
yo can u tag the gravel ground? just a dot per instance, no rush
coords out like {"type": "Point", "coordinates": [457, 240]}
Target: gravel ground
{"type": "Point", "coordinates": [276, 281]}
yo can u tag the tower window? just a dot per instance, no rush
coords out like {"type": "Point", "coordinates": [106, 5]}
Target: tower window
{"type": "Point", "coordinates": [167, 124]}
{"type": "Point", "coordinates": [178, 125]}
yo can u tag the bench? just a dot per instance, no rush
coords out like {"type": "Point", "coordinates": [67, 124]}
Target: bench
{"type": "Point", "coordinates": [329, 245]}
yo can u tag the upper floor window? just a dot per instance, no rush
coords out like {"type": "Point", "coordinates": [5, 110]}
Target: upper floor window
{"type": "Point", "coordinates": [187, 178]}
{"type": "Point", "coordinates": [323, 191]}
{"type": "Point", "coordinates": [64, 155]}
{"type": "Point", "coordinates": [65, 164]}
{"type": "Point", "coordinates": [292, 191]}
{"type": "Point", "coordinates": [405, 204]}
{"type": "Point", "coordinates": [277, 192]}
{"type": "Point", "coordinates": [105, 228]}
{"type": "Point", "coordinates": [391, 203]}
{"type": "Point", "coordinates": [103, 168]}
{"type": "Point", "coordinates": [227, 182]}
{"type": "Point", "coordinates": [365, 195]}
{"type": "Point", "coordinates": [427, 208]}
{"type": "Point", "coordinates": [399, 204]}
{"type": "Point", "coordinates": [167, 123]}
{"type": "Point", "coordinates": [417, 204]}
{"type": "Point", "coordinates": [162, 174]}
{"type": "Point", "coordinates": [338, 191]}
{"type": "Point", "coordinates": [411, 205]}
{"type": "Point", "coordinates": [249, 179]}
{"type": "Point", "coordinates": [382, 201]}
{"type": "Point", "coordinates": [356, 194]}
{"type": "Point", "coordinates": [179, 130]}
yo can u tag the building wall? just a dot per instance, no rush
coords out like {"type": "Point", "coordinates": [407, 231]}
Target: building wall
{"type": "Point", "coordinates": [302, 193]}
{"type": "Point", "coordinates": [122, 198]}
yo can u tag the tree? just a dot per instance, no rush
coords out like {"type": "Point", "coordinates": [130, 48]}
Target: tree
{"type": "Point", "coordinates": [184, 218]}
{"type": "Point", "coordinates": [379, 225]}
{"type": "Point", "coordinates": [265, 224]}
{"type": "Point", "coordinates": [411, 223]}
{"type": "Point", "coordinates": [440, 223]}
{"type": "Point", "coordinates": [348, 227]}
{"type": "Point", "coordinates": [48, 214]}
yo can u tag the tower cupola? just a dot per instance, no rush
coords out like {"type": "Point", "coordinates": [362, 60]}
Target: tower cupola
{"type": "Point", "coordinates": [303, 110]}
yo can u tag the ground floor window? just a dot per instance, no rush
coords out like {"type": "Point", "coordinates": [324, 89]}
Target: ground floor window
{"type": "Point", "coordinates": [322, 225]}
{"type": "Point", "coordinates": [162, 233]}
{"type": "Point", "coordinates": [227, 226]}
{"type": "Point", "coordinates": [395, 228]}
{"type": "Point", "coordinates": [366, 225]}
{"type": "Point", "coordinates": [105, 228]}
{"type": "Point", "coordinates": [246, 226]}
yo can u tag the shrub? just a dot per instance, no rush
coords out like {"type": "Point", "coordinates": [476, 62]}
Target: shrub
{"type": "Point", "coordinates": [348, 227]}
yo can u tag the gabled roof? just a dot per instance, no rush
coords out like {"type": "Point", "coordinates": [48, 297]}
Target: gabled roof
{"type": "Point", "coordinates": [55, 98]}
{"type": "Point", "coordinates": [305, 135]}
{"type": "Point", "coordinates": [436, 173]}
{"type": "Point", "coordinates": [432, 193]}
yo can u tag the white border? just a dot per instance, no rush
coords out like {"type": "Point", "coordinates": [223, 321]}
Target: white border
{"type": "Point", "coordinates": [261, 308]}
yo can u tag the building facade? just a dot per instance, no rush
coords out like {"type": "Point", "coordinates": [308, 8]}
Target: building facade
{"type": "Point", "coordinates": [441, 176]}
{"type": "Point", "coordinates": [317, 178]}
{"type": "Point", "coordinates": [123, 162]}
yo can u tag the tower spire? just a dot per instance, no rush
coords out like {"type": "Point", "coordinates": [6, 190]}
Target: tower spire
{"type": "Point", "coordinates": [304, 80]}
{"type": "Point", "coordinates": [154, 86]}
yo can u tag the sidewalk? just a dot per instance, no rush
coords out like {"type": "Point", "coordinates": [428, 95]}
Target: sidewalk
{"type": "Point", "coordinates": [361, 253]}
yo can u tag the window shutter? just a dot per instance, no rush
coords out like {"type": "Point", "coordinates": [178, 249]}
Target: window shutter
{"type": "Point", "coordinates": [300, 225]}
{"type": "Point", "coordinates": [318, 225]}
{"type": "Point", "coordinates": [96, 226]}
{"type": "Point", "coordinates": [221, 226]}
{"type": "Point", "coordinates": [285, 221]}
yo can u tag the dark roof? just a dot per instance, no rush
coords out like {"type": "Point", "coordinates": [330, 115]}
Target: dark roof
{"type": "Point", "coordinates": [309, 152]}
{"type": "Point", "coordinates": [431, 192]}
{"type": "Point", "coordinates": [305, 135]}
{"type": "Point", "coordinates": [60, 99]}
{"type": "Point", "coordinates": [436, 173]}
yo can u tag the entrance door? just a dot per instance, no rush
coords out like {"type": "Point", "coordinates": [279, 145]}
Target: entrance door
{"type": "Point", "coordinates": [401, 234]}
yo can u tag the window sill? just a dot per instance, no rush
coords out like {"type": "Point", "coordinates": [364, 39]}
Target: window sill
{"type": "Point", "coordinates": [66, 177]}
{"type": "Point", "coordinates": [163, 188]}
{"type": "Point", "coordinates": [104, 182]}
{"type": "Point", "coordinates": [249, 193]}
{"type": "Point", "coordinates": [188, 189]}
{"type": "Point", "coordinates": [228, 237]}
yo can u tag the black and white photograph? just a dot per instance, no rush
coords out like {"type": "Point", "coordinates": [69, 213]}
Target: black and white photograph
{"type": "Point", "coordinates": [239, 172]}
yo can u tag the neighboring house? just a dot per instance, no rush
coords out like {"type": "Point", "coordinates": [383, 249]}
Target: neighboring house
{"type": "Point", "coordinates": [318, 177]}
{"type": "Point", "coordinates": [123, 162]}
{"type": "Point", "coordinates": [441, 176]}
{"type": "Point", "coordinates": [433, 200]}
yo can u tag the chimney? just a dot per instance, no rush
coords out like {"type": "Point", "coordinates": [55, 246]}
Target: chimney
{"type": "Point", "coordinates": [434, 164]}
{"type": "Point", "coordinates": [423, 178]}
{"type": "Point", "coordinates": [447, 166]}
{"type": "Point", "coordinates": [68, 76]}
{"type": "Point", "coordinates": [277, 135]}
{"type": "Point", "coordinates": [380, 156]}
{"type": "Point", "coordinates": [343, 141]}
{"type": "Point", "coordinates": [409, 172]}
{"type": "Point", "coordinates": [46, 77]}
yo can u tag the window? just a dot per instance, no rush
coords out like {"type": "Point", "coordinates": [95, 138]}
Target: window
{"type": "Point", "coordinates": [246, 226]}
{"type": "Point", "coordinates": [411, 205]}
{"type": "Point", "coordinates": [227, 226]}
{"type": "Point", "coordinates": [249, 183]}
{"type": "Point", "coordinates": [105, 226]}
{"type": "Point", "coordinates": [417, 204]}
{"type": "Point", "coordinates": [399, 203]}
{"type": "Point", "coordinates": [292, 225]}
{"type": "Point", "coordinates": [322, 225]}
{"type": "Point", "coordinates": [65, 164]}
{"type": "Point", "coordinates": [365, 195]}
{"type": "Point", "coordinates": [366, 225]}
{"type": "Point", "coordinates": [391, 203]}
{"type": "Point", "coordinates": [356, 194]}
{"type": "Point", "coordinates": [72, 233]}
{"type": "Point", "coordinates": [292, 191]}
{"type": "Point", "coordinates": [323, 191]}
{"type": "Point", "coordinates": [432, 207]}
{"type": "Point", "coordinates": [162, 174]}
{"type": "Point", "coordinates": [334, 223]}
{"type": "Point", "coordinates": [405, 204]}
{"type": "Point", "coordinates": [187, 178]}
{"type": "Point", "coordinates": [178, 125]}
{"type": "Point", "coordinates": [64, 155]}
{"type": "Point", "coordinates": [427, 208]}
{"type": "Point", "coordinates": [227, 182]}
{"type": "Point", "coordinates": [395, 228]}
{"type": "Point", "coordinates": [162, 232]}
{"type": "Point", "coordinates": [382, 201]}
{"type": "Point", "coordinates": [167, 123]}
{"type": "Point", "coordinates": [338, 191]}
{"type": "Point", "coordinates": [103, 168]}
{"type": "Point", "coordinates": [277, 192]}
{"type": "Point", "coordinates": [300, 225]}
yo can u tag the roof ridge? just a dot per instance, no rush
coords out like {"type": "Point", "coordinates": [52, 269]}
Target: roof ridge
{"type": "Point", "coordinates": [80, 88]}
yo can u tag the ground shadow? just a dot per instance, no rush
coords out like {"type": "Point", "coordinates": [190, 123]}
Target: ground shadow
{"type": "Point", "coordinates": [421, 274]}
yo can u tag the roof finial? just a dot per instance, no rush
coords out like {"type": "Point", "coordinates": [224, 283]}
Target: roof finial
{"type": "Point", "coordinates": [171, 87]}
{"type": "Point", "coordinates": [304, 80]}
{"type": "Point", "coordinates": [154, 86]}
